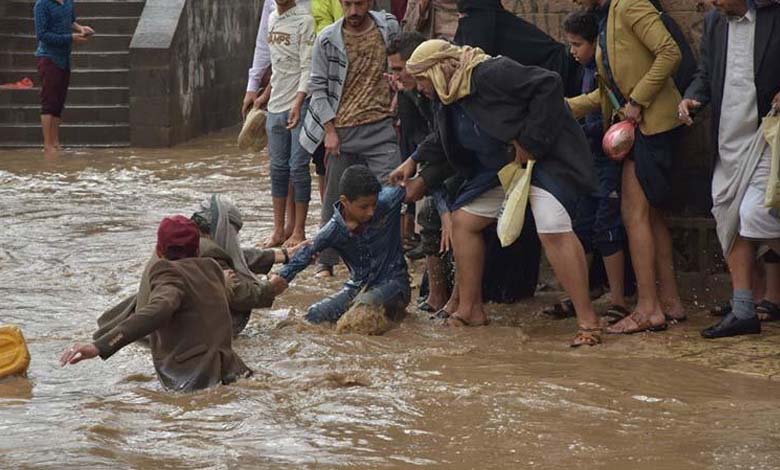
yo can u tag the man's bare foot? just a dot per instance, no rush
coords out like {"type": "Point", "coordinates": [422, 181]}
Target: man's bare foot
{"type": "Point", "coordinates": [638, 322]}
{"type": "Point", "coordinates": [294, 240]}
{"type": "Point", "coordinates": [274, 241]}
{"type": "Point", "coordinates": [50, 152]}
{"type": "Point", "coordinates": [675, 312]}
{"type": "Point", "coordinates": [471, 317]}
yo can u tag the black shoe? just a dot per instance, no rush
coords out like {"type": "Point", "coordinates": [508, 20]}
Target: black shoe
{"type": "Point", "coordinates": [733, 326]}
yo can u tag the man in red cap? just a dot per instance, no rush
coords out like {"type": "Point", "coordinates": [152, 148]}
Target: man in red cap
{"type": "Point", "coordinates": [187, 317]}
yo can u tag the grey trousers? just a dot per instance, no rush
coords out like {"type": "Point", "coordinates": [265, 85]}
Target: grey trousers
{"type": "Point", "coordinates": [373, 145]}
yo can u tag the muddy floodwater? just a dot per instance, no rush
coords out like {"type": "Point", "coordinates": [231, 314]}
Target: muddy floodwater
{"type": "Point", "coordinates": [76, 232]}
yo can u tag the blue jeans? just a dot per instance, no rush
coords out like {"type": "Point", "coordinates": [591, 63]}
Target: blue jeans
{"type": "Point", "coordinates": [393, 295]}
{"type": "Point", "coordinates": [289, 160]}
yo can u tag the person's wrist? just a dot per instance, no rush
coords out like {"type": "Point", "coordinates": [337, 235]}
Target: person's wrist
{"type": "Point", "coordinates": [633, 102]}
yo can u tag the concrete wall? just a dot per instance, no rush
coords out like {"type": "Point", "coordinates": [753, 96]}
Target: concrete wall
{"type": "Point", "coordinates": [189, 61]}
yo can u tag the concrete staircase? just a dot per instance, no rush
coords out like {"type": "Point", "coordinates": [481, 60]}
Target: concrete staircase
{"type": "Point", "coordinates": [97, 109]}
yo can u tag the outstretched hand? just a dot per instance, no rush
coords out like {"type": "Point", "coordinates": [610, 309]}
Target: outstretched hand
{"type": "Point", "coordinates": [78, 353]}
{"type": "Point", "coordinates": [403, 173]}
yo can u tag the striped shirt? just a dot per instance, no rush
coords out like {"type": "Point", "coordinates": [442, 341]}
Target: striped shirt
{"type": "Point", "coordinates": [54, 30]}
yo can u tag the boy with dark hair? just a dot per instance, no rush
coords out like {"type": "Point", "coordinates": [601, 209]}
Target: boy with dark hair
{"type": "Point", "coordinates": [187, 317]}
{"type": "Point", "coordinates": [598, 223]}
{"type": "Point", "coordinates": [365, 230]}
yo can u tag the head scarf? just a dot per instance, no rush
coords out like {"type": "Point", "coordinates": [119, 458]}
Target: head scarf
{"type": "Point", "coordinates": [449, 67]}
{"type": "Point", "coordinates": [224, 222]}
{"type": "Point", "coordinates": [179, 233]}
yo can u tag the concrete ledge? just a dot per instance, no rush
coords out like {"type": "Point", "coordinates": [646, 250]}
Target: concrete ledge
{"type": "Point", "coordinates": [189, 62]}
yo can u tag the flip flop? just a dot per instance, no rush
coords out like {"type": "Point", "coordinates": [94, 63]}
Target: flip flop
{"type": "Point", "coordinates": [459, 322]}
{"type": "Point", "coordinates": [639, 326]}
{"type": "Point", "coordinates": [768, 311]}
{"type": "Point", "coordinates": [425, 307]}
{"type": "Point", "coordinates": [615, 313]}
{"type": "Point", "coordinates": [440, 314]}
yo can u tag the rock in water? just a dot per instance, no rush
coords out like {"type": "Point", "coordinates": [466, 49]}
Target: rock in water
{"type": "Point", "coordinates": [364, 320]}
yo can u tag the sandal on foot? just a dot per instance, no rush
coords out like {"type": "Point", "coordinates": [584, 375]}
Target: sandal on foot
{"type": "Point", "coordinates": [615, 313]}
{"type": "Point", "coordinates": [441, 314]}
{"type": "Point", "coordinates": [425, 307]}
{"type": "Point", "coordinates": [456, 321]}
{"type": "Point", "coordinates": [563, 309]}
{"type": "Point", "coordinates": [635, 326]}
{"type": "Point", "coordinates": [586, 337]}
{"type": "Point", "coordinates": [768, 311]}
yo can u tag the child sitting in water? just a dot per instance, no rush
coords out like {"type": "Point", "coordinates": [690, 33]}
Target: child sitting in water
{"type": "Point", "coordinates": [365, 231]}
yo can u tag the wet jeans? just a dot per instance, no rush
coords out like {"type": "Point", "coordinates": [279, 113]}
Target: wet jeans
{"type": "Point", "coordinates": [392, 295]}
{"type": "Point", "coordinates": [289, 160]}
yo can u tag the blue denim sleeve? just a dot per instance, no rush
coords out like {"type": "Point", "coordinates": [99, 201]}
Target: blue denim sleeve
{"type": "Point", "coordinates": [441, 201]}
{"type": "Point", "coordinates": [42, 31]}
{"type": "Point", "coordinates": [392, 197]}
{"type": "Point", "coordinates": [302, 259]}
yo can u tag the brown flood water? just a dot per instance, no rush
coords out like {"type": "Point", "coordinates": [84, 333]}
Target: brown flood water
{"type": "Point", "coordinates": [75, 234]}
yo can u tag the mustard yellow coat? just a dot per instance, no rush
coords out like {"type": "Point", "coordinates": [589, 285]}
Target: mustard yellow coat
{"type": "Point", "coordinates": [643, 57]}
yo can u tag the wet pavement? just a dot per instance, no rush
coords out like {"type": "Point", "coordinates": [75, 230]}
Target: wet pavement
{"type": "Point", "coordinates": [77, 232]}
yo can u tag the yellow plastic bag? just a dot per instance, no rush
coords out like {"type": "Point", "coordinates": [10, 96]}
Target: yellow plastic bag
{"type": "Point", "coordinates": [14, 356]}
{"type": "Point", "coordinates": [772, 136]}
{"type": "Point", "coordinates": [516, 181]}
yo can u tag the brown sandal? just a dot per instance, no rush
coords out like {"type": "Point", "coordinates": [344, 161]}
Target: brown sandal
{"type": "Point", "coordinates": [586, 337]}
{"type": "Point", "coordinates": [643, 324]}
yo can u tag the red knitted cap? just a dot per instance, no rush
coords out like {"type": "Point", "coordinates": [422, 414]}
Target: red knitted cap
{"type": "Point", "coordinates": [179, 235]}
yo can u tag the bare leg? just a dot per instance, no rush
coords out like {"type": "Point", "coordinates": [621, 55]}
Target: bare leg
{"type": "Point", "coordinates": [740, 262]}
{"type": "Point", "coordinates": [299, 232]}
{"type": "Point", "coordinates": [614, 264]}
{"type": "Point", "coordinates": [669, 296]}
{"type": "Point", "coordinates": [55, 132]}
{"type": "Point", "coordinates": [636, 218]}
{"type": "Point", "coordinates": [48, 139]}
{"type": "Point", "coordinates": [454, 301]}
{"type": "Point", "coordinates": [567, 258]}
{"type": "Point", "coordinates": [289, 222]}
{"type": "Point", "coordinates": [469, 248]}
{"type": "Point", "coordinates": [437, 282]}
{"type": "Point", "coordinates": [321, 181]}
{"type": "Point", "coordinates": [277, 237]}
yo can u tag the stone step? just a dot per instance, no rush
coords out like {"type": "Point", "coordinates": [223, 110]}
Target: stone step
{"type": "Point", "coordinates": [83, 8]}
{"type": "Point", "coordinates": [78, 77]}
{"type": "Point", "coordinates": [70, 134]}
{"type": "Point", "coordinates": [31, 113]}
{"type": "Point", "coordinates": [99, 42]}
{"type": "Point", "coordinates": [101, 24]}
{"type": "Point", "coordinates": [96, 96]}
{"type": "Point", "coordinates": [81, 59]}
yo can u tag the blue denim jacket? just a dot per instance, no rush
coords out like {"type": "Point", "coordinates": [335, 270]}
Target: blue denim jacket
{"type": "Point", "coordinates": [54, 30]}
{"type": "Point", "coordinates": [373, 255]}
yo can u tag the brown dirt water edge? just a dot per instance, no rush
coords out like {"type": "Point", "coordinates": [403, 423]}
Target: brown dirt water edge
{"type": "Point", "coordinates": [77, 231]}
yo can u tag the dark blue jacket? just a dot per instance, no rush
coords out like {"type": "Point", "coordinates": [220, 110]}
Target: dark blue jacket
{"type": "Point", "coordinates": [373, 255]}
{"type": "Point", "coordinates": [54, 30]}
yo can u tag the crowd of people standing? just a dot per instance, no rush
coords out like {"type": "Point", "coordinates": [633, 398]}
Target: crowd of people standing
{"type": "Point", "coordinates": [425, 105]}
